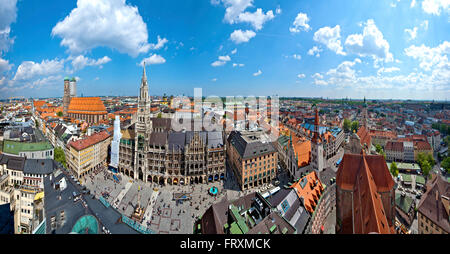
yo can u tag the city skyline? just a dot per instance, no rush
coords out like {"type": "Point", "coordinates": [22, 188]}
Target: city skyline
{"type": "Point", "coordinates": [383, 50]}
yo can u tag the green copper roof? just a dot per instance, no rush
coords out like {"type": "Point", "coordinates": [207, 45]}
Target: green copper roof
{"type": "Point", "coordinates": [403, 203]}
{"type": "Point", "coordinates": [66, 79]}
{"type": "Point", "coordinates": [86, 225]}
{"type": "Point", "coordinates": [15, 147]}
{"type": "Point", "coordinates": [420, 180]}
{"type": "Point", "coordinates": [73, 79]}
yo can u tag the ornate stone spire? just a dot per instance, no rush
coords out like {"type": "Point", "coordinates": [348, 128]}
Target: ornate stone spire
{"type": "Point", "coordinates": [144, 76]}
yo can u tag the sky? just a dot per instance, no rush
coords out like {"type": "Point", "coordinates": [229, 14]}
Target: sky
{"type": "Point", "coordinates": [391, 49]}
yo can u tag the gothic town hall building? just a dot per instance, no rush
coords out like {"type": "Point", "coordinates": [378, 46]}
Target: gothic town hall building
{"type": "Point", "coordinates": [152, 152]}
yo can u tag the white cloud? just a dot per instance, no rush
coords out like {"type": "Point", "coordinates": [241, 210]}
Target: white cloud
{"type": "Point", "coordinates": [435, 6]}
{"type": "Point", "coordinates": [314, 51]}
{"type": "Point", "coordinates": [8, 15]}
{"type": "Point", "coordinates": [39, 83]}
{"type": "Point", "coordinates": [239, 36]}
{"type": "Point", "coordinates": [234, 13]}
{"type": "Point", "coordinates": [387, 70]}
{"type": "Point", "coordinates": [234, 51]}
{"type": "Point", "coordinates": [96, 78]}
{"type": "Point", "coordinates": [218, 63]}
{"type": "Point", "coordinates": [300, 23]}
{"type": "Point", "coordinates": [224, 58]}
{"type": "Point", "coordinates": [222, 61]}
{"type": "Point", "coordinates": [320, 82]}
{"type": "Point", "coordinates": [317, 76]}
{"type": "Point", "coordinates": [430, 57]}
{"type": "Point", "coordinates": [257, 18]}
{"type": "Point", "coordinates": [412, 33]}
{"type": "Point", "coordinates": [215, 2]}
{"type": "Point", "coordinates": [81, 61]}
{"type": "Point", "coordinates": [413, 3]}
{"type": "Point", "coordinates": [330, 37]}
{"type": "Point", "coordinates": [234, 8]}
{"type": "Point", "coordinates": [278, 10]}
{"type": "Point", "coordinates": [424, 25]}
{"type": "Point", "coordinates": [301, 75]}
{"type": "Point", "coordinates": [369, 43]}
{"type": "Point", "coordinates": [238, 65]}
{"type": "Point", "coordinates": [108, 23]}
{"type": "Point", "coordinates": [259, 72]}
{"type": "Point", "coordinates": [28, 69]}
{"type": "Point", "coordinates": [153, 59]}
{"type": "Point", "coordinates": [214, 79]}
{"type": "Point", "coordinates": [159, 44]}
{"type": "Point", "coordinates": [297, 57]}
{"type": "Point", "coordinates": [343, 71]}
{"type": "Point", "coordinates": [436, 82]}
{"type": "Point", "coordinates": [4, 65]}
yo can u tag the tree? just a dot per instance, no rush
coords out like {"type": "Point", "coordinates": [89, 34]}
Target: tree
{"type": "Point", "coordinates": [355, 126]}
{"type": "Point", "coordinates": [428, 157]}
{"type": "Point", "coordinates": [394, 169]}
{"type": "Point", "coordinates": [426, 168]}
{"type": "Point", "coordinates": [60, 156]}
{"type": "Point", "coordinates": [159, 115]}
{"type": "Point", "coordinates": [378, 148]}
{"type": "Point", "coordinates": [347, 125]}
{"type": "Point", "coordinates": [60, 114]}
{"type": "Point", "coordinates": [446, 164]}
{"type": "Point", "coordinates": [447, 140]}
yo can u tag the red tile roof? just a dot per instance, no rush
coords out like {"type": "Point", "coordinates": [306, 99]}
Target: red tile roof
{"type": "Point", "coordinates": [310, 189]}
{"type": "Point", "coordinates": [86, 105]}
{"type": "Point", "coordinates": [366, 176]}
{"type": "Point", "coordinates": [364, 136]}
{"type": "Point", "coordinates": [89, 141]}
{"type": "Point", "coordinates": [394, 146]}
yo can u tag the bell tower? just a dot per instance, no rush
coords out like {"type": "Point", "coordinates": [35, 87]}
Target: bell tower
{"type": "Point", "coordinates": [317, 152]}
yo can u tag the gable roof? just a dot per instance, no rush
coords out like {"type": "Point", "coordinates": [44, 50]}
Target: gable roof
{"type": "Point", "coordinates": [431, 204]}
{"type": "Point", "coordinates": [366, 176]}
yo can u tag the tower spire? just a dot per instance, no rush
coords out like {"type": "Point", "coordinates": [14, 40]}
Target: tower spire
{"type": "Point", "coordinates": [144, 76]}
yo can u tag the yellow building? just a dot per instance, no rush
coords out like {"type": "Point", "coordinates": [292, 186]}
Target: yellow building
{"type": "Point", "coordinates": [88, 154]}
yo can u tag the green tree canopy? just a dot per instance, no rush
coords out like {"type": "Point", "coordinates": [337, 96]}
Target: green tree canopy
{"type": "Point", "coordinates": [378, 148]}
{"type": "Point", "coordinates": [426, 168]}
{"type": "Point", "coordinates": [60, 114]}
{"type": "Point", "coordinates": [347, 125]}
{"type": "Point", "coordinates": [355, 126]}
{"type": "Point", "coordinates": [60, 156]}
{"type": "Point", "coordinates": [446, 164]}
{"type": "Point", "coordinates": [394, 169]}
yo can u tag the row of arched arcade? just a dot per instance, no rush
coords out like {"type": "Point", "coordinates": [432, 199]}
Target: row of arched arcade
{"type": "Point", "coordinates": [174, 180]}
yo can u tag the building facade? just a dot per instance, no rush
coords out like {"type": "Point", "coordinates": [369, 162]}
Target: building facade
{"type": "Point", "coordinates": [254, 160]}
{"type": "Point", "coordinates": [150, 151]}
{"type": "Point", "coordinates": [30, 150]}
{"type": "Point", "coordinates": [88, 154]}
{"type": "Point", "coordinates": [434, 208]}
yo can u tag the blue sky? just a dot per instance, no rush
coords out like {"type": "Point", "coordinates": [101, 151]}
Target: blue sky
{"type": "Point", "coordinates": [335, 49]}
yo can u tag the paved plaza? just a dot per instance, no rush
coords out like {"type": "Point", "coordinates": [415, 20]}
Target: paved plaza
{"type": "Point", "coordinates": [162, 213]}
